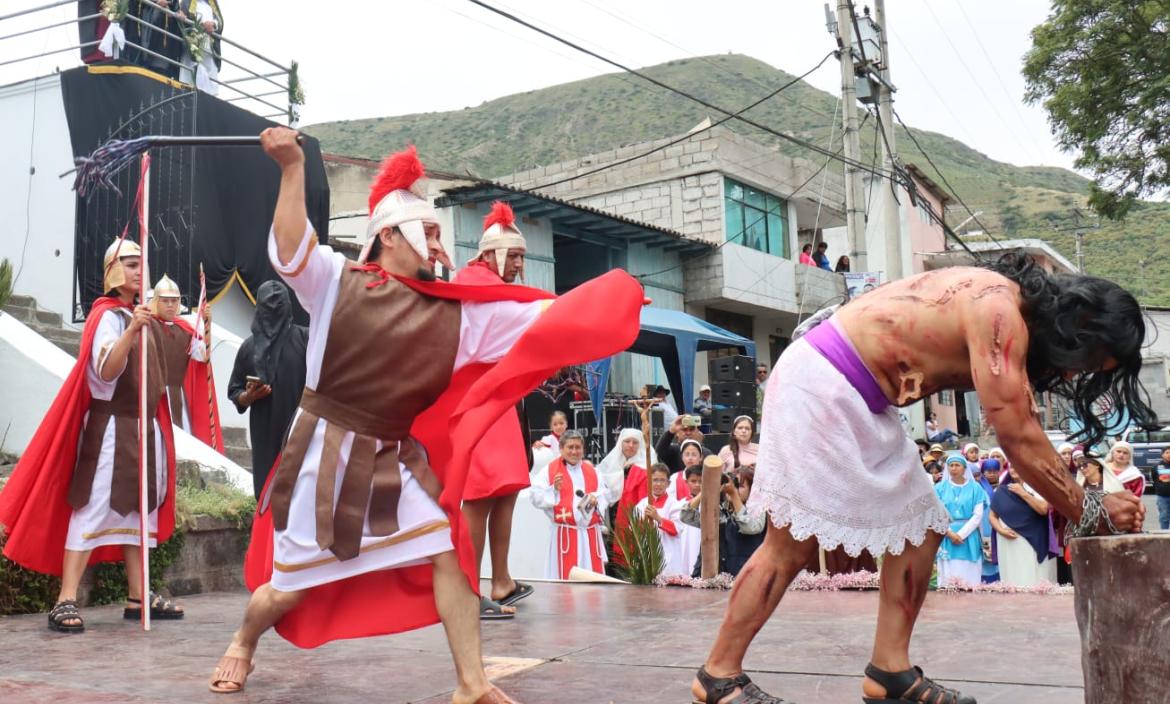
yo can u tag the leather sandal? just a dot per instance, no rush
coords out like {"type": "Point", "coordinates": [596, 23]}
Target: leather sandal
{"type": "Point", "coordinates": [911, 686]}
{"type": "Point", "coordinates": [230, 670]}
{"type": "Point", "coordinates": [161, 609]}
{"type": "Point", "coordinates": [719, 687]}
{"type": "Point", "coordinates": [66, 611]}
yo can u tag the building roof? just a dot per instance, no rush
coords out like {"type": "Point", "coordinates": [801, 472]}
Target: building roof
{"type": "Point", "coordinates": [577, 217]}
{"type": "Point", "coordinates": [1034, 247]}
{"type": "Point", "coordinates": [929, 185]}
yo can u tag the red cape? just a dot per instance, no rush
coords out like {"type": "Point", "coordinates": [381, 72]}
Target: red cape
{"type": "Point", "coordinates": [633, 491]}
{"type": "Point", "coordinates": [500, 464]}
{"type": "Point", "coordinates": [392, 601]}
{"type": "Point", "coordinates": [199, 388]}
{"type": "Point", "coordinates": [33, 505]}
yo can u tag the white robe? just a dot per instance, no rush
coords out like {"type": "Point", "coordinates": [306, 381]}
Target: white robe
{"type": "Point", "coordinates": [671, 544]}
{"type": "Point", "coordinates": [190, 73]}
{"type": "Point", "coordinates": [543, 456]}
{"type": "Point", "coordinates": [96, 524]}
{"type": "Point", "coordinates": [545, 497]}
{"type": "Point", "coordinates": [487, 332]}
{"type": "Point", "coordinates": [198, 352]}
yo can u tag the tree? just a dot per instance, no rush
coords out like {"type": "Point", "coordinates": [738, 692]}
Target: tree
{"type": "Point", "coordinates": [1101, 68]}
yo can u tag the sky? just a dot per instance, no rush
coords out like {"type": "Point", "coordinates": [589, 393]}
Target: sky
{"type": "Point", "coordinates": [956, 63]}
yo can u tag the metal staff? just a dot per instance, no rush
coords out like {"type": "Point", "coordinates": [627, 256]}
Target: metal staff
{"type": "Point", "coordinates": [99, 168]}
{"type": "Point", "coordinates": [211, 424]}
{"type": "Point", "coordinates": [144, 424]}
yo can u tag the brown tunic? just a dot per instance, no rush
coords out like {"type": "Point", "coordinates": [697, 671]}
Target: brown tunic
{"type": "Point", "coordinates": [389, 355]}
{"type": "Point", "coordinates": [122, 409]}
{"type": "Point", "coordinates": [176, 346]}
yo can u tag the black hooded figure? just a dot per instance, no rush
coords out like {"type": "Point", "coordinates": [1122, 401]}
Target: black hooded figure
{"type": "Point", "coordinates": [275, 354]}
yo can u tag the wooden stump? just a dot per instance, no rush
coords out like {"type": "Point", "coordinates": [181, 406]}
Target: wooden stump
{"type": "Point", "coordinates": [709, 517]}
{"type": "Point", "coordinates": [1123, 612]}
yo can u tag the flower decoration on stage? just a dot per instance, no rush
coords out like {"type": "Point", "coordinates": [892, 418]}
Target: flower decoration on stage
{"type": "Point", "coordinates": [296, 95]}
{"type": "Point", "coordinates": [570, 379]}
{"type": "Point", "coordinates": [115, 10]}
{"type": "Point", "coordinates": [398, 200]}
{"type": "Point", "coordinates": [197, 42]}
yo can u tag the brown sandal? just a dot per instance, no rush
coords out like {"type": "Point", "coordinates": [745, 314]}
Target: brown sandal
{"type": "Point", "coordinates": [495, 696]}
{"type": "Point", "coordinates": [230, 671]}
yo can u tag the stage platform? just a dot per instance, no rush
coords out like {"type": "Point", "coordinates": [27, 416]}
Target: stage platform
{"type": "Point", "coordinates": [571, 644]}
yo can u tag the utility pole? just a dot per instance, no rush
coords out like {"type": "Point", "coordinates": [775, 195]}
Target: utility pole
{"type": "Point", "coordinates": [851, 138]}
{"type": "Point", "coordinates": [891, 218]}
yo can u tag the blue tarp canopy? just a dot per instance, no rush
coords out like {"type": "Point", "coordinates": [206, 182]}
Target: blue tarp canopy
{"type": "Point", "coordinates": [674, 337]}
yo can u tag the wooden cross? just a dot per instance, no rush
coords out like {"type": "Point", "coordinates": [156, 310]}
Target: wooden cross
{"type": "Point", "coordinates": [564, 515]}
{"type": "Point", "coordinates": [644, 405]}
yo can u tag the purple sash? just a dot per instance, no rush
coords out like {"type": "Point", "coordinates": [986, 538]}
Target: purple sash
{"type": "Point", "coordinates": [828, 339]}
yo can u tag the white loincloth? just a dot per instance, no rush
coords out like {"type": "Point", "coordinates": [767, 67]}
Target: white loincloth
{"type": "Point", "coordinates": [829, 467]}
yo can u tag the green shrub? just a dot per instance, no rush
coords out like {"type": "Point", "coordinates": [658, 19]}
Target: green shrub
{"type": "Point", "coordinates": [25, 592]}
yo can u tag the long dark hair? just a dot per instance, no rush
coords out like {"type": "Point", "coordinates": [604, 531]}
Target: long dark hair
{"type": "Point", "coordinates": [1076, 323]}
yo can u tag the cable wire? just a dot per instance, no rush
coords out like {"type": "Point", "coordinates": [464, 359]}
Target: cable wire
{"type": "Point", "coordinates": [946, 182]}
{"type": "Point", "coordinates": [688, 135]}
{"type": "Point", "coordinates": [777, 133]}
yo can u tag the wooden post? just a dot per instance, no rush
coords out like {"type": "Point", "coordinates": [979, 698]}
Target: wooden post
{"type": "Point", "coordinates": [1123, 612]}
{"type": "Point", "coordinates": [709, 516]}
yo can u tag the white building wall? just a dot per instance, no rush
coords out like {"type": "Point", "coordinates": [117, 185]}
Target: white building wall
{"type": "Point", "coordinates": [36, 206]}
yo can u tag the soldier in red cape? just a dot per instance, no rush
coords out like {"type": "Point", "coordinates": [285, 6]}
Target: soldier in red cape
{"type": "Point", "coordinates": [499, 467]}
{"type": "Point", "coordinates": [73, 498]}
{"type": "Point", "coordinates": [190, 389]}
{"type": "Point", "coordinates": [359, 531]}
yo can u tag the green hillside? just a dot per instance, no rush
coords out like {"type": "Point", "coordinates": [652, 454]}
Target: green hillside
{"type": "Point", "coordinates": [543, 126]}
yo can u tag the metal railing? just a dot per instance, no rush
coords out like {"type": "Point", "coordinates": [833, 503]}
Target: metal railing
{"type": "Point", "coordinates": [252, 78]}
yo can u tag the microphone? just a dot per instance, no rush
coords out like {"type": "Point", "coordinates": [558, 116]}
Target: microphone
{"type": "Point", "coordinates": [581, 495]}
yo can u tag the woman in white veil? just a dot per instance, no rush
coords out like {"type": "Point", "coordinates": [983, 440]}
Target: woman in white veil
{"type": "Point", "coordinates": [628, 451]}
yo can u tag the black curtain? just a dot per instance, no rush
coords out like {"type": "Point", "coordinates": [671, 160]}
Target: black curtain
{"type": "Point", "coordinates": [209, 205]}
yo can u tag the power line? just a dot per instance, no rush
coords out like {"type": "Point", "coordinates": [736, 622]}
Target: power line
{"type": "Point", "coordinates": [926, 79]}
{"type": "Point", "coordinates": [729, 240]}
{"type": "Point", "coordinates": [991, 64]}
{"type": "Point", "coordinates": [688, 135]}
{"type": "Point", "coordinates": [946, 37]}
{"type": "Point", "coordinates": [787, 137]}
{"type": "Point", "coordinates": [946, 182]}
{"type": "Point", "coordinates": [703, 59]}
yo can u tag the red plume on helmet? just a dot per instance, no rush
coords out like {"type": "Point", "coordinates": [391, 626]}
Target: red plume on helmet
{"type": "Point", "coordinates": [501, 214]}
{"type": "Point", "coordinates": [399, 171]}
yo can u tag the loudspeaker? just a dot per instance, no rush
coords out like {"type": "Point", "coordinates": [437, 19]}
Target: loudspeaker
{"type": "Point", "coordinates": [737, 368]}
{"type": "Point", "coordinates": [715, 441]}
{"type": "Point", "coordinates": [734, 394]}
{"type": "Point", "coordinates": [723, 420]}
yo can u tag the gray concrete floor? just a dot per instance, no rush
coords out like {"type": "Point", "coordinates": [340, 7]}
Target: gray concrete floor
{"type": "Point", "coordinates": [571, 644]}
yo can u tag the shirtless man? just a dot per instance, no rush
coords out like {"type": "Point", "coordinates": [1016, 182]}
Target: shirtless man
{"type": "Point", "coordinates": [1004, 331]}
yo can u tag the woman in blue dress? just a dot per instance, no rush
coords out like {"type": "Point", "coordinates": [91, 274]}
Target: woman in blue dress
{"type": "Point", "coordinates": [960, 557]}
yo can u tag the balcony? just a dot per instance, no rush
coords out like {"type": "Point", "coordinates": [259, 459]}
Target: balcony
{"type": "Point", "coordinates": [45, 38]}
{"type": "Point", "coordinates": [744, 280]}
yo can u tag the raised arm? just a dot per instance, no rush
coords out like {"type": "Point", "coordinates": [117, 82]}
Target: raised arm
{"type": "Point", "coordinates": [997, 341]}
{"type": "Point", "coordinates": [288, 222]}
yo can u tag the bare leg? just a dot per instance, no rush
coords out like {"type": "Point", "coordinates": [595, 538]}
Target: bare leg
{"type": "Point", "coordinates": [264, 609]}
{"type": "Point", "coordinates": [72, 567]}
{"type": "Point", "coordinates": [477, 512]}
{"type": "Point", "coordinates": [905, 579]}
{"type": "Point", "coordinates": [499, 540]}
{"type": "Point", "coordinates": [756, 595]}
{"type": "Point", "coordinates": [460, 615]}
{"type": "Point", "coordinates": [132, 554]}
{"type": "Point", "coordinates": [71, 570]}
